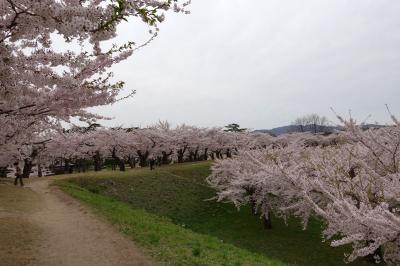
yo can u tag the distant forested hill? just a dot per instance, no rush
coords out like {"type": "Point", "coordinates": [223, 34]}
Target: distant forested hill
{"type": "Point", "coordinates": [288, 129]}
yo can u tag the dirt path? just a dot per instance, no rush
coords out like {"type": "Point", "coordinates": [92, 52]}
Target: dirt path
{"type": "Point", "coordinates": [60, 231]}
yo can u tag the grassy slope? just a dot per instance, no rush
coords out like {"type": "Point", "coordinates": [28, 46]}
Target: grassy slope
{"type": "Point", "coordinates": [169, 243]}
{"type": "Point", "coordinates": [178, 192]}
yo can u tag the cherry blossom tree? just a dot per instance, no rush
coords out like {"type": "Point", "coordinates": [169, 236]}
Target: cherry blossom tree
{"type": "Point", "coordinates": [41, 86]}
{"type": "Point", "coordinates": [350, 180]}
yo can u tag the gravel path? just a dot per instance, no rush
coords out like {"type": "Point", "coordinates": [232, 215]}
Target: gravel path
{"type": "Point", "coordinates": [65, 231]}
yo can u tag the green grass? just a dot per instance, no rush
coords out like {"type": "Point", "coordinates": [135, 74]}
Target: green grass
{"type": "Point", "coordinates": [169, 243]}
{"type": "Point", "coordinates": [174, 198]}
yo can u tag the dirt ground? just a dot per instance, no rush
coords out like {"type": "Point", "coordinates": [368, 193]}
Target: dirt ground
{"type": "Point", "coordinates": [17, 232]}
{"type": "Point", "coordinates": [40, 225]}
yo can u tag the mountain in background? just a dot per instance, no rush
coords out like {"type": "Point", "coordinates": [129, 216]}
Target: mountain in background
{"type": "Point", "coordinates": [275, 131]}
{"type": "Point", "coordinates": [310, 128]}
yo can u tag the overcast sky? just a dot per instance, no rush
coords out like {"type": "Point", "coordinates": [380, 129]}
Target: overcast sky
{"type": "Point", "coordinates": [262, 63]}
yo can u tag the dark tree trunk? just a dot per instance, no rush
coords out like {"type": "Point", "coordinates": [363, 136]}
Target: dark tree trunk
{"type": "Point", "coordinates": [212, 155]}
{"type": "Point", "coordinates": [228, 153]}
{"type": "Point", "coordinates": [70, 169]}
{"type": "Point", "coordinates": [97, 161]}
{"type": "Point", "coordinates": [253, 205]}
{"type": "Point", "coordinates": [132, 162]}
{"type": "Point", "coordinates": [205, 154]}
{"type": "Point", "coordinates": [152, 163]}
{"type": "Point", "coordinates": [196, 154]}
{"type": "Point", "coordinates": [77, 166]}
{"type": "Point", "coordinates": [143, 158]}
{"type": "Point", "coordinates": [40, 174]}
{"type": "Point", "coordinates": [27, 168]}
{"type": "Point", "coordinates": [121, 165]}
{"type": "Point", "coordinates": [28, 163]}
{"type": "Point", "coordinates": [165, 157]}
{"type": "Point", "coordinates": [3, 172]}
{"type": "Point", "coordinates": [191, 156]}
{"type": "Point", "coordinates": [180, 156]}
{"type": "Point", "coordinates": [267, 221]}
{"type": "Point", "coordinates": [118, 161]}
{"type": "Point", "coordinates": [66, 166]}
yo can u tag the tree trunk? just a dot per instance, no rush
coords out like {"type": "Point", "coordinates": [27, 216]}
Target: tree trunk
{"type": "Point", "coordinates": [118, 160]}
{"type": "Point", "coordinates": [40, 174]}
{"type": "Point", "coordinates": [165, 157]}
{"type": "Point", "coordinates": [66, 166]}
{"type": "Point", "coordinates": [253, 205]}
{"type": "Point", "coordinates": [97, 161]}
{"type": "Point", "coordinates": [132, 162]}
{"type": "Point", "coordinates": [70, 169]}
{"type": "Point", "coordinates": [29, 163]}
{"type": "Point", "coordinates": [228, 153]}
{"type": "Point", "coordinates": [78, 166]}
{"type": "Point", "coordinates": [267, 221]}
{"type": "Point", "coordinates": [151, 163]}
{"type": "Point", "coordinates": [27, 168]}
{"type": "Point", "coordinates": [3, 172]}
{"type": "Point", "coordinates": [212, 156]}
{"type": "Point", "coordinates": [180, 156]}
{"type": "Point", "coordinates": [205, 154]}
{"type": "Point", "coordinates": [191, 156]}
{"type": "Point", "coordinates": [121, 165]}
{"type": "Point", "coordinates": [143, 158]}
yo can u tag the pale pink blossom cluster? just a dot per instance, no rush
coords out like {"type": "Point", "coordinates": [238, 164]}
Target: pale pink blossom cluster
{"type": "Point", "coordinates": [350, 180]}
{"type": "Point", "coordinates": [42, 85]}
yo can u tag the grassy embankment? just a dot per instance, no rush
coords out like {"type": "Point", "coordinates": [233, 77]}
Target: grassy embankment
{"type": "Point", "coordinates": [166, 212]}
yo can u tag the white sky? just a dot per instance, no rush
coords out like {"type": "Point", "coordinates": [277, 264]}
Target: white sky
{"type": "Point", "coordinates": [262, 63]}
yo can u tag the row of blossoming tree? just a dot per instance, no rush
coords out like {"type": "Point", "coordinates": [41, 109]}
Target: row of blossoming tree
{"type": "Point", "coordinates": [133, 146]}
{"type": "Point", "coordinates": [351, 182]}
